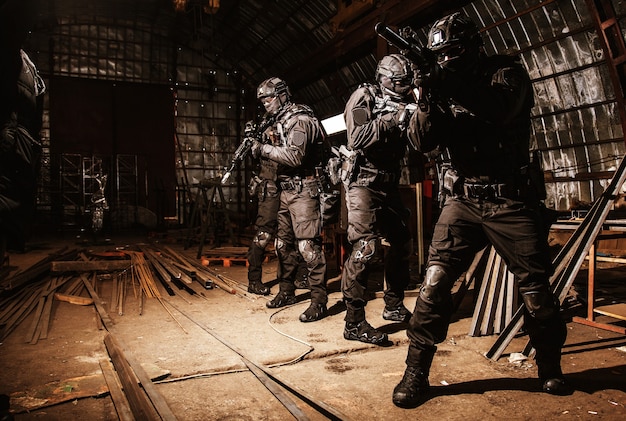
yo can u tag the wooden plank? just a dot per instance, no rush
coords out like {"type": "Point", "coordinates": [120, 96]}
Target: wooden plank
{"type": "Point", "coordinates": [511, 294]}
{"type": "Point", "coordinates": [617, 311]}
{"type": "Point", "coordinates": [113, 301]}
{"type": "Point", "coordinates": [30, 334]}
{"type": "Point", "coordinates": [139, 403]}
{"type": "Point", "coordinates": [160, 405]}
{"type": "Point", "coordinates": [275, 390]}
{"type": "Point", "coordinates": [19, 315]}
{"type": "Point", "coordinates": [486, 327]}
{"type": "Point", "coordinates": [498, 321]}
{"type": "Point", "coordinates": [57, 392]}
{"type": "Point", "coordinates": [89, 266]}
{"type": "Point", "coordinates": [104, 316]}
{"type": "Point", "coordinates": [226, 251]}
{"type": "Point", "coordinates": [75, 287]}
{"type": "Point", "coordinates": [24, 277]}
{"type": "Point", "coordinates": [120, 402]}
{"type": "Point", "coordinates": [73, 299]}
{"type": "Point", "coordinates": [479, 308]}
{"type": "Point", "coordinates": [45, 318]}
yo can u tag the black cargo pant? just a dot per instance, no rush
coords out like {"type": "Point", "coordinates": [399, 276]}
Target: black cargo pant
{"type": "Point", "coordinates": [375, 211]}
{"type": "Point", "coordinates": [518, 234]}
{"type": "Point", "coordinates": [266, 225]}
{"type": "Point", "coordinates": [299, 237]}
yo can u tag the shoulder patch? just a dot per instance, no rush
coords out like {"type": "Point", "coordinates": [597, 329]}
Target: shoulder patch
{"type": "Point", "coordinates": [298, 137]}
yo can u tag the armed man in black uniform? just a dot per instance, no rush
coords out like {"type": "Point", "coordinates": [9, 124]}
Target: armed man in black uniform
{"type": "Point", "coordinates": [376, 117]}
{"type": "Point", "coordinates": [21, 110]}
{"type": "Point", "coordinates": [297, 150]}
{"type": "Point", "coordinates": [263, 186]}
{"type": "Point", "coordinates": [477, 113]}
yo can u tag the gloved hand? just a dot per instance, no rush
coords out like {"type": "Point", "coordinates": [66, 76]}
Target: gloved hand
{"type": "Point", "coordinates": [430, 77]}
{"type": "Point", "coordinates": [255, 149]}
{"type": "Point", "coordinates": [394, 118]}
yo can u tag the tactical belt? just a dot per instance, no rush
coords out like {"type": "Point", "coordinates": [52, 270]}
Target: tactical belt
{"type": "Point", "coordinates": [290, 185]}
{"type": "Point", "coordinates": [489, 191]}
{"type": "Point", "coordinates": [380, 176]}
{"type": "Point", "coordinates": [296, 183]}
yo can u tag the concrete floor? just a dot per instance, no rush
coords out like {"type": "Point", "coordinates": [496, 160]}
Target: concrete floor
{"type": "Point", "coordinates": [197, 347]}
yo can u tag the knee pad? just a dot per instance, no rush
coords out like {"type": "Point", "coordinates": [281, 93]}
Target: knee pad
{"type": "Point", "coordinates": [540, 303]}
{"type": "Point", "coordinates": [436, 286]}
{"type": "Point", "coordinates": [363, 251]}
{"type": "Point", "coordinates": [262, 239]}
{"type": "Point", "coordinates": [309, 250]}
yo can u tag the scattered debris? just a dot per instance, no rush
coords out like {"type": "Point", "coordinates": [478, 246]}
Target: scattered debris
{"type": "Point", "coordinates": [517, 358]}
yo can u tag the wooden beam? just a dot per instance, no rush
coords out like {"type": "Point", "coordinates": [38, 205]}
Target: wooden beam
{"type": "Point", "coordinates": [120, 401]}
{"type": "Point", "coordinates": [104, 316]}
{"type": "Point", "coordinates": [89, 266]}
{"type": "Point", "coordinates": [139, 403]}
{"type": "Point", "coordinates": [359, 38]}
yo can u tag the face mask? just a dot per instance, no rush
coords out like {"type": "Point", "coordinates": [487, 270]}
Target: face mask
{"type": "Point", "coordinates": [271, 103]}
{"type": "Point", "coordinates": [396, 88]}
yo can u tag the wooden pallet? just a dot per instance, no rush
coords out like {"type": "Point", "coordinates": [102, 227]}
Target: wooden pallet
{"type": "Point", "coordinates": [223, 261]}
{"type": "Point", "coordinates": [228, 261]}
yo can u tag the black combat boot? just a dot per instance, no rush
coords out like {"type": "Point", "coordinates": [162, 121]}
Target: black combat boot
{"type": "Point", "coordinates": [411, 389]}
{"type": "Point", "coordinates": [282, 299]}
{"type": "Point", "coordinates": [364, 332]}
{"type": "Point", "coordinates": [258, 288]}
{"type": "Point", "coordinates": [553, 381]}
{"type": "Point", "coordinates": [315, 312]}
{"type": "Point", "coordinates": [397, 314]}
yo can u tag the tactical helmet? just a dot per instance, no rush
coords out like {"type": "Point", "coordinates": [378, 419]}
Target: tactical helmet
{"type": "Point", "coordinates": [273, 93]}
{"type": "Point", "coordinates": [456, 41]}
{"type": "Point", "coordinates": [395, 75]}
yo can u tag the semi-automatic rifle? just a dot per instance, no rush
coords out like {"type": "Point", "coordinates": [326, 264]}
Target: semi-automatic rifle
{"type": "Point", "coordinates": [406, 41]}
{"type": "Point", "coordinates": [252, 132]}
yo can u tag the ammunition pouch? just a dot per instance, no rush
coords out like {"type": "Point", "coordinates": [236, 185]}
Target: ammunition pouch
{"type": "Point", "coordinates": [253, 185]}
{"type": "Point", "coordinates": [269, 189]}
{"type": "Point", "coordinates": [348, 164]}
{"type": "Point", "coordinates": [450, 184]}
{"type": "Point", "coordinates": [330, 206]}
{"type": "Point", "coordinates": [333, 169]}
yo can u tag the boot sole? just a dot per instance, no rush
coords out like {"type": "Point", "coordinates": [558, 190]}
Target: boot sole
{"type": "Point", "coordinates": [420, 399]}
{"type": "Point", "coordinates": [282, 304]}
{"type": "Point", "coordinates": [364, 340]}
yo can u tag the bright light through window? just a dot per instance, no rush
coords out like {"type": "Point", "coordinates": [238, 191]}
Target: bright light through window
{"type": "Point", "coordinates": [334, 124]}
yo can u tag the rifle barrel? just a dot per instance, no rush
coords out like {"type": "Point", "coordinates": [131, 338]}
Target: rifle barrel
{"type": "Point", "coordinates": [391, 36]}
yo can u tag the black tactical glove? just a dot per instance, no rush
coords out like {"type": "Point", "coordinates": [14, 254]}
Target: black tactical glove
{"type": "Point", "coordinates": [429, 76]}
{"type": "Point", "coordinates": [392, 119]}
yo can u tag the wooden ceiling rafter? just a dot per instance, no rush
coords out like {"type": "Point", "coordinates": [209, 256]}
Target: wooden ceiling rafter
{"type": "Point", "coordinates": [359, 37]}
